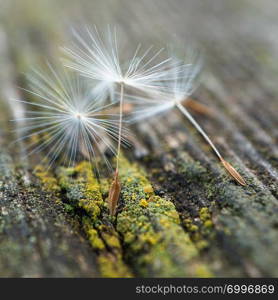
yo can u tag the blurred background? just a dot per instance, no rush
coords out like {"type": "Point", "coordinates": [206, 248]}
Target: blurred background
{"type": "Point", "coordinates": [238, 38]}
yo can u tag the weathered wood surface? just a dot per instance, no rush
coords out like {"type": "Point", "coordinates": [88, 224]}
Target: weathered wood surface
{"type": "Point", "coordinates": [180, 214]}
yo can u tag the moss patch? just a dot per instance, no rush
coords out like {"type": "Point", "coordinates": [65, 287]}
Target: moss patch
{"type": "Point", "coordinates": [83, 193]}
{"type": "Point", "coordinates": [156, 244]}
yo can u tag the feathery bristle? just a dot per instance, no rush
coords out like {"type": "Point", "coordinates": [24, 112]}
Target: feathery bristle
{"type": "Point", "coordinates": [64, 111]}
{"type": "Point", "coordinates": [96, 55]}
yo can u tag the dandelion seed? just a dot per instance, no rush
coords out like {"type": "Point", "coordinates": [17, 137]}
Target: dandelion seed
{"type": "Point", "coordinates": [114, 194]}
{"type": "Point", "coordinates": [63, 111]}
{"type": "Point", "coordinates": [198, 107]}
{"type": "Point", "coordinates": [173, 95]}
{"type": "Point", "coordinates": [97, 57]}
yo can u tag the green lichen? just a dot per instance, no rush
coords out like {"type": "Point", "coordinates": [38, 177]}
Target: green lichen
{"type": "Point", "coordinates": [243, 218]}
{"type": "Point", "coordinates": [204, 214]}
{"type": "Point", "coordinates": [200, 229]}
{"type": "Point", "coordinates": [48, 181]}
{"type": "Point", "coordinates": [83, 188]}
{"type": "Point", "coordinates": [84, 194]}
{"type": "Point", "coordinates": [92, 234]}
{"type": "Point", "coordinates": [156, 244]}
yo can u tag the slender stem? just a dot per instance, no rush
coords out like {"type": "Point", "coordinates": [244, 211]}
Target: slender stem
{"type": "Point", "coordinates": [120, 126]}
{"type": "Point", "coordinates": [198, 127]}
{"type": "Point", "coordinates": [230, 169]}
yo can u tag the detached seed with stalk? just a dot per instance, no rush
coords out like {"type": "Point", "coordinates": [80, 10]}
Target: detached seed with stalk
{"type": "Point", "coordinates": [96, 56]}
{"type": "Point", "coordinates": [174, 94]}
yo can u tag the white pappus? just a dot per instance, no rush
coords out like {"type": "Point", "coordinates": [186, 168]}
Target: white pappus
{"type": "Point", "coordinates": [173, 95]}
{"type": "Point", "coordinates": [71, 121]}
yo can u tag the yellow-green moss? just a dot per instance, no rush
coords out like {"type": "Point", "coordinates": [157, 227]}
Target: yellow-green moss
{"type": "Point", "coordinates": [49, 182]}
{"type": "Point", "coordinates": [143, 203]}
{"type": "Point", "coordinates": [203, 272]}
{"type": "Point", "coordinates": [189, 225]}
{"type": "Point", "coordinates": [110, 269]}
{"type": "Point", "coordinates": [83, 192]}
{"type": "Point", "coordinates": [155, 242]}
{"type": "Point", "coordinates": [208, 223]}
{"type": "Point", "coordinates": [200, 229]}
{"type": "Point", "coordinates": [94, 239]}
{"type": "Point", "coordinates": [83, 188]}
{"type": "Point", "coordinates": [112, 241]}
{"type": "Point", "coordinates": [204, 214]}
{"type": "Point", "coordinates": [148, 189]}
{"type": "Point", "coordinates": [206, 220]}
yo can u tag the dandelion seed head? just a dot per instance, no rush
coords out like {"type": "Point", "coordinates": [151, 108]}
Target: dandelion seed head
{"type": "Point", "coordinates": [96, 56]}
{"type": "Point", "coordinates": [66, 118]}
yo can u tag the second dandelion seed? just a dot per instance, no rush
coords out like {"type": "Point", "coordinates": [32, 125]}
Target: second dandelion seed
{"type": "Point", "coordinates": [172, 95]}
